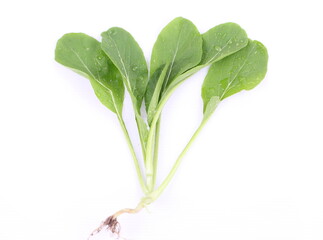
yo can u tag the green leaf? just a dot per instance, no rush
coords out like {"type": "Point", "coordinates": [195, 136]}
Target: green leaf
{"type": "Point", "coordinates": [179, 45]}
{"type": "Point", "coordinates": [221, 41]}
{"type": "Point", "coordinates": [128, 57]}
{"type": "Point", "coordinates": [240, 71]}
{"type": "Point", "coordinates": [83, 54]}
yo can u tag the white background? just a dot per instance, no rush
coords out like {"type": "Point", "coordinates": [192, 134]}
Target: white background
{"type": "Point", "coordinates": [254, 173]}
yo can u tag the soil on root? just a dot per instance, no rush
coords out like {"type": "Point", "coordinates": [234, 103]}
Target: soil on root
{"type": "Point", "coordinates": [111, 224]}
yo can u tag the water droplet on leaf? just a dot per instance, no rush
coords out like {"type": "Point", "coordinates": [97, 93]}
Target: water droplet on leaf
{"type": "Point", "coordinates": [217, 48]}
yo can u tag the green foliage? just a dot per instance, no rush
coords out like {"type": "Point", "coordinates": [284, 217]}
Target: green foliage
{"type": "Point", "coordinates": [221, 41]}
{"type": "Point", "coordinates": [179, 46]}
{"type": "Point", "coordinates": [84, 55]}
{"type": "Point", "coordinates": [236, 64]}
{"type": "Point", "coordinates": [128, 57]}
{"type": "Point", "coordinates": [242, 70]}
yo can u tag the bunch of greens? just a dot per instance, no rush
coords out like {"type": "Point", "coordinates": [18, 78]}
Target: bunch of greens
{"type": "Point", "coordinates": [118, 63]}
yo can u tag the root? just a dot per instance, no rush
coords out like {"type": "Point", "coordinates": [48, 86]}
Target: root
{"type": "Point", "coordinates": [111, 223]}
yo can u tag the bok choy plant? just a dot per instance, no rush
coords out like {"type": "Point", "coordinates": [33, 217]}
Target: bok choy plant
{"type": "Point", "coordinates": [117, 63]}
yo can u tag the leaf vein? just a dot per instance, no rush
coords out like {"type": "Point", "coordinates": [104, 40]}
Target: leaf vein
{"type": "Point", "coordinates": [245, 61]}
{"type": "Point", "coordinates": [174, 57]}
{"type": "Point", "coordinates": [122, 63]}
{"type": "Point", "coordinates": [225, 45]}
{"type": "Point", "coordinates": [83, 63]}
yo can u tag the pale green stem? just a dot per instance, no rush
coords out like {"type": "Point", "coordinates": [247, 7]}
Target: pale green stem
{"type": "Point", "coordinates": [154, 195]}
{"type": "Point", "coordinates": [156, 147]}
{"type": "Point", "coordinates": [137, 116]}
{"type": "Point", "coordinates": [150, 162]}
{"type": "Point", "coordinates": [152, 131]}
{"type": "Point", "coordinates": [150, 141]}
{"type": "Point", "coordinates": [133, 154]}
{"type": "Point", "coordinates": [142, 142]}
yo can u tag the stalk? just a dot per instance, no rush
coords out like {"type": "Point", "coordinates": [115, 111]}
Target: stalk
{"type": "Point", "coordinates": [141, 137]}
{"type": "Point", "coordinates": [133, 154]}
{"type": "Point", "coordinates": [150, 160]}
{"type": "Point", "coordinates": [156, 148]}
{"type": "Point", "coordinates": [152, 131]}
{"type": "Point", "coordinates": [176, 165]}
{"type": "Point", "coordinates": [150, 140]}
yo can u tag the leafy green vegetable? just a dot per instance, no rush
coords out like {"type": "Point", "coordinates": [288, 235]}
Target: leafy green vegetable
{"type": "Point", "coordinates": [218, 42]}
{"type": "Point", "coordinates": [221, 41]}
{"type": "Point", "coordinates": [84, 55]}
{"type": "Point", "coordinates": [128, 57]}
{"type": "Point", "coordinates": [179, 45]}
{"type": "Point", "coordinates": [240, 71]}
{"type": "Point", "coordinates": [237, 64]}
